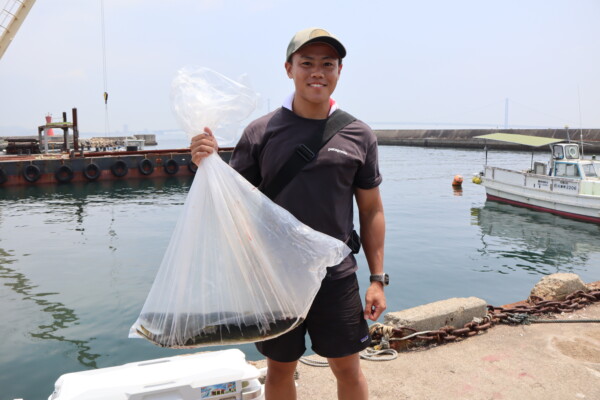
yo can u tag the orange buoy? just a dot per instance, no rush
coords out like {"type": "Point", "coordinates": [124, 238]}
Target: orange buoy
{"type": "Point", "coordinates": [458, 180]}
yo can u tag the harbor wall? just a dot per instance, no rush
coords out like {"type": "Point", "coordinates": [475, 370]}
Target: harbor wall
{"type": "Point", "coordinates": [464, 138]}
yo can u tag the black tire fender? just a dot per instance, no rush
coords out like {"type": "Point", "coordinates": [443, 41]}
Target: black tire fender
{"type": "Point", "coordinates": [146, 166]}
{"type": "Point", "coordinates": [31, 173]}
{"type": "Point", "coordinates": [171, 167]}
{"type": "Point", "coordinates": [119, 168]}
{"type": "Point", "coordinates": [92, 172]}
{"type": "Point", "coordinates": [3, 177]}
{"type": "Point", "coordinates": [63, 174]}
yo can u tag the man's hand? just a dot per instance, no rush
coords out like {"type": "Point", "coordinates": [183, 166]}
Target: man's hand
{"type": "Point", "coordinates": [203, 145]}
{"type": "Point", "coordinates": [374, 301]}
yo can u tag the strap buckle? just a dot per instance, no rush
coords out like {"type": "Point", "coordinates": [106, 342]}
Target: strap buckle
{"type": "Point", "coordinates": [304, 152]}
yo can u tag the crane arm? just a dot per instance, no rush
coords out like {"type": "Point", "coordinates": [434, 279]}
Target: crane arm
{"type": "Point", "coordinates": [11, 17]}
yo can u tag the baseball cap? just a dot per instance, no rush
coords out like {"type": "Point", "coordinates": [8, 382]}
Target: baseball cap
{"type": "Point", "coordinates": [314, 35]}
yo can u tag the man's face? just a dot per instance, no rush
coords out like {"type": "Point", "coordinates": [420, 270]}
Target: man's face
{"type": "Point", "coordinates": [315, 69]}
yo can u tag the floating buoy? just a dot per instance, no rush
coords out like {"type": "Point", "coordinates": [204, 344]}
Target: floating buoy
{"type": "Point", "coordinates": [458, 180]}
{"type": "Point", "coordinates": [476, 179]}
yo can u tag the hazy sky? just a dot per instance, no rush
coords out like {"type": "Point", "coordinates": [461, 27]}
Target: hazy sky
{"type": "Point", "coordinates": [418, 64]}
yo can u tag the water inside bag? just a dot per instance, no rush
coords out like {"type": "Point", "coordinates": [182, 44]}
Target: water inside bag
{"type": "Point", "coordinates": [232, 328]}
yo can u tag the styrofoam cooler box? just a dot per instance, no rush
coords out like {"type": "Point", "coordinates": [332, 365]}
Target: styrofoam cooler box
{"type": "Point", "coordinates": [217, 375]}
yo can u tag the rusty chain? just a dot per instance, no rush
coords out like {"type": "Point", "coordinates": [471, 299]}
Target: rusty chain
{"type": "Point", "coordinates": [383, 336]}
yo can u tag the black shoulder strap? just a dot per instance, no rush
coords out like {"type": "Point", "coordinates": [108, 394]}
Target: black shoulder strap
{"type": "Point", "coordinates": [305, 153]}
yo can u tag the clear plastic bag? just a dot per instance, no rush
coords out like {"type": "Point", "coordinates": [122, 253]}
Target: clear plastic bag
{"type": "Point", "coordinates": [202, 97]}
{"type": "Point", "coordinates": [238, 268]}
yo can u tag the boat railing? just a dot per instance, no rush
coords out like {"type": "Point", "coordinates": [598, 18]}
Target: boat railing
{"type": "Point", "coordinates": [498, 176]}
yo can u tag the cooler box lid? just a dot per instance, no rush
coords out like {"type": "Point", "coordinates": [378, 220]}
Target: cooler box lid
{"type": "Point", "coordinates": [175, 377]}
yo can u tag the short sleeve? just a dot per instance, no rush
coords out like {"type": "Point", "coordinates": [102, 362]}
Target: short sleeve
{"type": "Point", "coordinates": [368, 175]}
{"type": "Point", "coordinates": [244, 158]}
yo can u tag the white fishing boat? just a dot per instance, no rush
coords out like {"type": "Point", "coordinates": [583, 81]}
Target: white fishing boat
{"type": "Point", "coordinates": [567, 185]}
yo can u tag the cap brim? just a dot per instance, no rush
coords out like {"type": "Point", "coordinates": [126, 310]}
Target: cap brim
{"type": "Point", "coordinates": [337, 46]}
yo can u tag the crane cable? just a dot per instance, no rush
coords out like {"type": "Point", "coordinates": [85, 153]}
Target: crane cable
{"type": "Point", "coordinates": [105, 75]}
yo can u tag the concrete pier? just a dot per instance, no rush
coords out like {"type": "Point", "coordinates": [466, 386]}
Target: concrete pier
{"type": "Point", "coordinates": [464, 138]}
{"type": "Point", "coordinates": [455, 312]}
{"type": "Point", "coordinates": [523, 362]}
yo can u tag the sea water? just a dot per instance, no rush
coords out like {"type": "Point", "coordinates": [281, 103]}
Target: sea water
{"type": "Point", "coordinates": [77, 260]}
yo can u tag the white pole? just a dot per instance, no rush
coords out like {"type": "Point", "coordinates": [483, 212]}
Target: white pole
{"type": "Point", "coordinates": [506, 113]}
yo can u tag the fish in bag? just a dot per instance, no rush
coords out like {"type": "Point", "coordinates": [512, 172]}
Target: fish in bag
{"type": "Point", "coordinates": [238, 268]}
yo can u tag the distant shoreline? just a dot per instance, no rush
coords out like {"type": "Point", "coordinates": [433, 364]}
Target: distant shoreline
{"type": "Point", "coordinates": [464, 138]}
{"type": "Point", "coordinates": [440, 138]}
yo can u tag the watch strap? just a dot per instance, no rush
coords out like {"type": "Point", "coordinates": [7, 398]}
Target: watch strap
{"type": "Point", "coordinates": [383, 278]}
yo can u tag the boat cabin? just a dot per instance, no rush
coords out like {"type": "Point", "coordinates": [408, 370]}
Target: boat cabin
{"type": "Point", "coordinates": [562, 151]}
{"type": "Point", "coordinates": [566, 162]}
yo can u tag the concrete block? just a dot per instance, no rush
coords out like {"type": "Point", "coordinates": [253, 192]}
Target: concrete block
{"type": "Point", "coordinates": [454, 312]}
{"type": "Point", "coordinates": [558, 286]}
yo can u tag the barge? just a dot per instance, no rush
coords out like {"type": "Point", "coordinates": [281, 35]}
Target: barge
{"type": "Point", "coordinates": [74, 164]}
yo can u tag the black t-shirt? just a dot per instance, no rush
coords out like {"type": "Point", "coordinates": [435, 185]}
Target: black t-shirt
{"type": "Point", "coordinates": [321, 194]}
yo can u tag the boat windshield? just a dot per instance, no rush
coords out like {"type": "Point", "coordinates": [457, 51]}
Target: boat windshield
{"type": "Point", "coordinates": [590, 170]}
{"type": "Point", "coordinates": [557, 152]}
{"type": "Point", "coordinates": [569, 170]}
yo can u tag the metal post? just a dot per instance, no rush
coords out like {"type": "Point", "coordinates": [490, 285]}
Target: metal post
{"type": "Point", "coordinates": [75, 131]}
{"type": "Point", "coordinates": [532, 160]}
{"type": "Point", "coordinates": [581, 142]}
{"type": "Point", "coordinates": [43, 138]}
{"type": "Point", "coordinates": [486, 151]}
{"type": "Point", "coordinates": [65, 145]}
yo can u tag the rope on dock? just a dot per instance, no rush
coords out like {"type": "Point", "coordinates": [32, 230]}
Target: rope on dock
{"type": "Point", "coordinates": [369, 354]}
{"type": "Point", "coordinates": [562, 321]}
{"type": "Point", "coordinates": [314, 361]}
{"type": "Point", "coordinates": [378, 355]}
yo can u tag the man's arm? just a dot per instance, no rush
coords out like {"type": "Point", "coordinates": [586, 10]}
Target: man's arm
{"type": "Point", "coordinates": [372, 234]}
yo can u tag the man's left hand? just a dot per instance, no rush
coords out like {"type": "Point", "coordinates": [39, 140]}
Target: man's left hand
{"type": "Point", "coordinates": [374, 301]}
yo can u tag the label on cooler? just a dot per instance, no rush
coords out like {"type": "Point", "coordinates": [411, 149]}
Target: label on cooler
{"type": "Point", "coordinates": [220, 391]}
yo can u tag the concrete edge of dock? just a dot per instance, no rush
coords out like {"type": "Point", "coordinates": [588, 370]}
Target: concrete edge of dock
{"type": "Point", "coordinates": [550, 361]}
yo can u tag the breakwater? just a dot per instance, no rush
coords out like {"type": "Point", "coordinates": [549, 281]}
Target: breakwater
{"type": "Point", "coordinates": [465, 138]}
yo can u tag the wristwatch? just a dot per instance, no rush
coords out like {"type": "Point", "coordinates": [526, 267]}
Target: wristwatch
{"type": "Point", "coordinates": [383, 278]}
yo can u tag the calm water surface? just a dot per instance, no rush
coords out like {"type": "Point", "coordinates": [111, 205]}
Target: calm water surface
{"type": "Point", "coordinates": [77, 261]}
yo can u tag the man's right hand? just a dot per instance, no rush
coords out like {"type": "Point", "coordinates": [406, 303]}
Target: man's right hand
{"type": "Point", "coordinates": [203, 145]}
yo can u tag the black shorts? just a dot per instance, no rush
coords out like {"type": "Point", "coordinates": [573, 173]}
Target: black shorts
{"type": "Point", "coordinates": [335, 323]}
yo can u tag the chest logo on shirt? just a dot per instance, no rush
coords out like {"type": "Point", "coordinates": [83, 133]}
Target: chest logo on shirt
{"type": "Point", "coordinates": [337, 150]}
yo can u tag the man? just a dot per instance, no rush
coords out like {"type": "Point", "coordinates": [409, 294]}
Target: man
{"type": "Point", "coordinates": [321, 196]}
